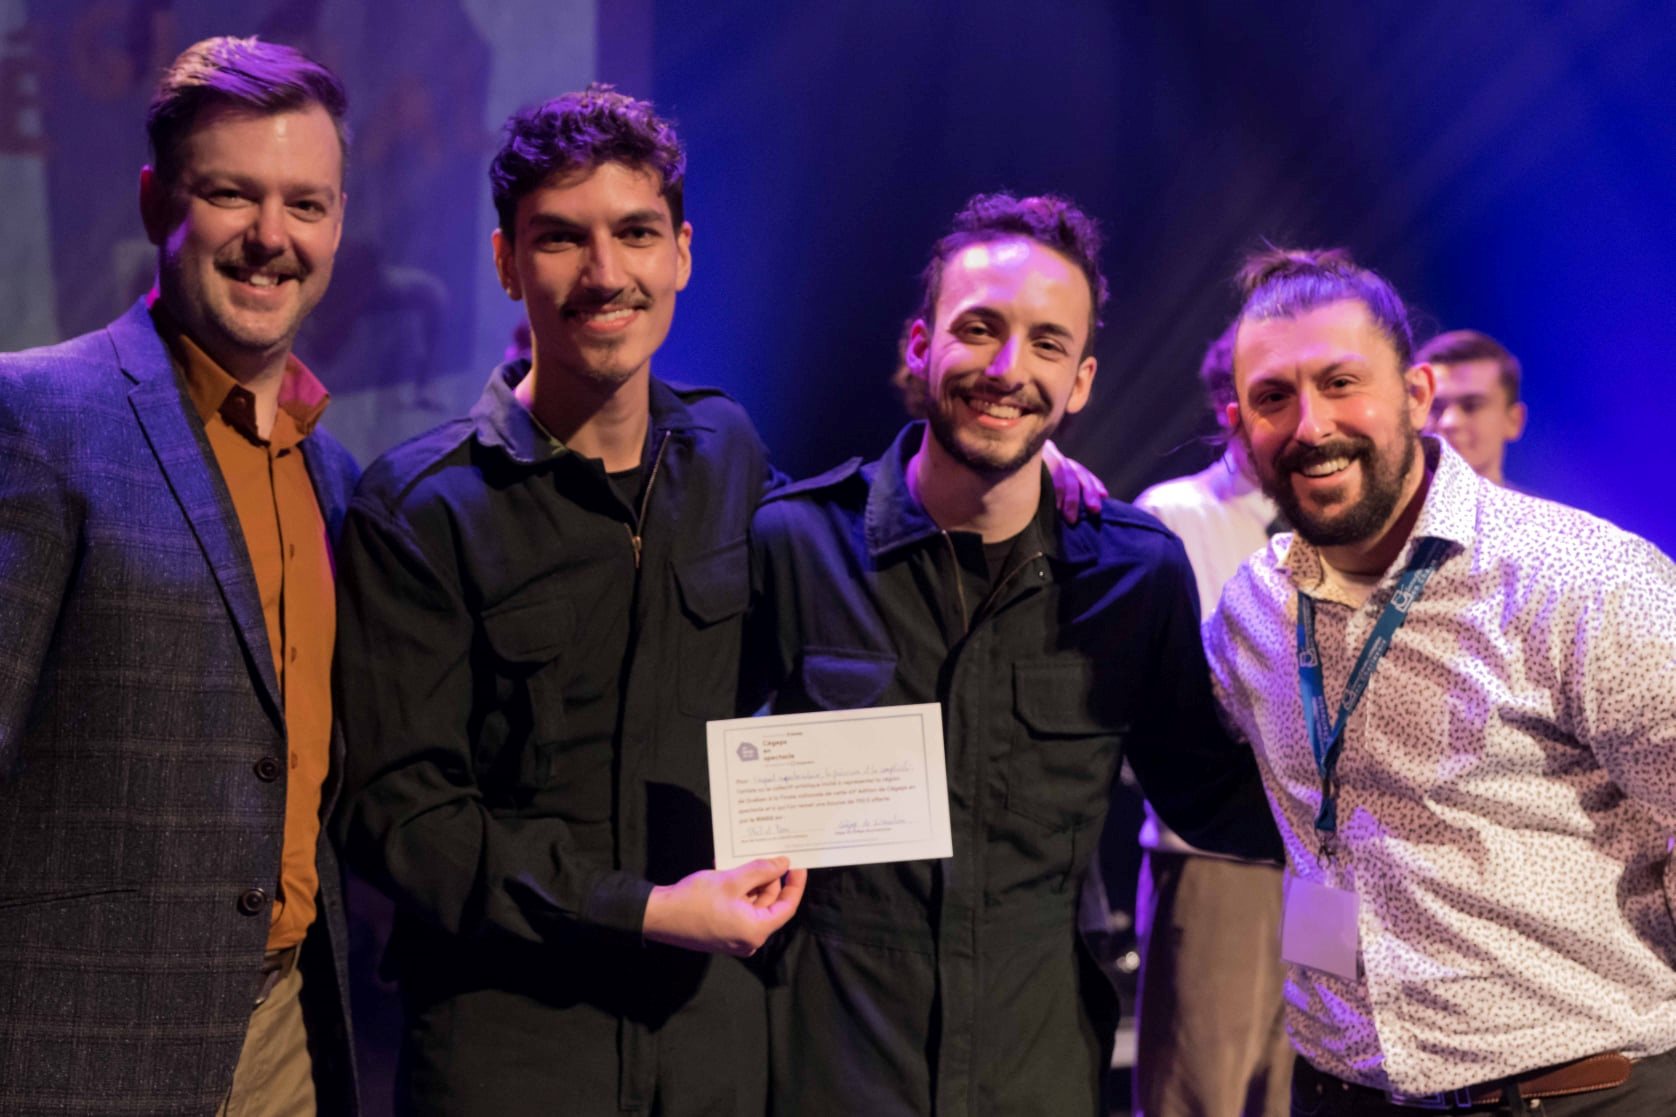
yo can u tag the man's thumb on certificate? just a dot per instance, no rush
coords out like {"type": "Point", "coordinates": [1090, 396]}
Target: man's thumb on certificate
{"type": "Point", "coordinates": [731, 911]}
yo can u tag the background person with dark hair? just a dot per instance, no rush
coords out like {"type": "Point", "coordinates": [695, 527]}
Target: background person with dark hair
{"type": "Point", "coordinates": [1477, 407]}
{"type": "Point", "coordinates": [941, 573]}
{"type": "Point", "coordinates": [166, 624]}
{"type": "Point", "coordinates": [1463, 700]}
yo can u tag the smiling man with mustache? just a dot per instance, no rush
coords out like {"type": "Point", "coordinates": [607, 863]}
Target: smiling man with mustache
{"type": "Point", "coordinates": [542, 604]}
{"type": "Point", "coordinates": [1463, 700]}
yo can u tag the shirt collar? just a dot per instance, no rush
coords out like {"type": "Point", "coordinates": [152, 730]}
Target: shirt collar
{"type": "Point", "coordinates": [213, 391]}
{"type": "Point", "coordinates": [895, 518]}
{"type": "Point", "coordinates": [1450, 512]}
{"type": "Point", "coordinates": [500, 421]}
{"type": "Point", "coordinates": [507, 425]}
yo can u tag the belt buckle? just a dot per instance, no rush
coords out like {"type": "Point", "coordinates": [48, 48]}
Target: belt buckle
{"type": "Point", "coordinates": [1443, 1099]}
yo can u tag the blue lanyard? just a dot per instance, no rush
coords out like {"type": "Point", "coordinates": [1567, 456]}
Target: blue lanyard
{"type": "Point", "coordinates": [1326, 740]}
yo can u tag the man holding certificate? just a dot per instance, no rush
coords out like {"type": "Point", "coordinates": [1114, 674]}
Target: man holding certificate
{"type": "Point", "coordinates": [940, 575]}
{"type": "Point", "coordinates": [542, 603]}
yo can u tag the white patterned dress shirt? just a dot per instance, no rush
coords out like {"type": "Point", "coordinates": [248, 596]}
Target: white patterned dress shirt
{"type": "Point", "coordinates": [1508, 789]}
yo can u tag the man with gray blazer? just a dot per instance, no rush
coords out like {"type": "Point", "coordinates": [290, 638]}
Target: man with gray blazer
{"type": "Point", "coordinates": [171, 932]}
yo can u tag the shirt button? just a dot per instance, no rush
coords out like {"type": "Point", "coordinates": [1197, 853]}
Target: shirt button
{"type": "Point", "coordinates": [252, 901]}
{"type": "Point", "coordinates": [268, 769]}
{"type": "Point", "coordinates": [293, 655]}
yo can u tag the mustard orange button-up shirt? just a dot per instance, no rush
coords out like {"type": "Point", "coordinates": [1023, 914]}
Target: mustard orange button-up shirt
{"type": "Point", "coordinates": [285, 536]}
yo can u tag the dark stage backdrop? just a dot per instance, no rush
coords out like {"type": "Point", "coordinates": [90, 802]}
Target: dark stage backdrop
{"type": "Point", "coordinates": [1509, 164]}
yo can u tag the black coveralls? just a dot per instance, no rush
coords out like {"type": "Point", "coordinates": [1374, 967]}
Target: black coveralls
{"type": "Point", "coordinates": [517, 788]}
{"type": "Point", "coordinates": [959, 986]}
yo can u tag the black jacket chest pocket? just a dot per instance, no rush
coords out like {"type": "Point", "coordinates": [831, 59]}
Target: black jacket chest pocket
{"type": "Point", "coordinates": [845, 678]}
{"type": "Point", "coordinates": [715, 588]}
{"type": "Point", "coordinates": [1066, 744]}
{"type": "Point", "coordinates": [528, 638]}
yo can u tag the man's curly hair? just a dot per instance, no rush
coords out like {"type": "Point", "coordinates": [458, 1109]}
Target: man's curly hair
{"type": "Point", "coordinates": [581, 131]}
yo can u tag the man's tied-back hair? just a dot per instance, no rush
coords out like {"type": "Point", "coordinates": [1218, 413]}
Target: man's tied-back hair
{"type": "Point", "coordinates": [579, 132]}
{"type": "Point", "coordinates": [244, 74]}
{"type": "Point", "coordinates": [1286, 282]}
{"type": "Point", "coordinates": [1047, 219]}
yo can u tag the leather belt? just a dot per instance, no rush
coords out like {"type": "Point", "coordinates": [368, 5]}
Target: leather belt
{"type": "Point", "coordinates": [276, 967]}
{"type": "Point", "coordinates": [1581, 1076]}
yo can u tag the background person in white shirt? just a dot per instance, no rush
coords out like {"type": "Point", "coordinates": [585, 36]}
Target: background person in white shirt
{"type": "Point", "coordinates": [1478, 906]}
{"type": "Point", "coordinates": [1210, 1034]}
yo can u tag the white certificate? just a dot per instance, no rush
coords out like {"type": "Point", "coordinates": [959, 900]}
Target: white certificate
{"type": "Point", "coordinates": [851, 787]}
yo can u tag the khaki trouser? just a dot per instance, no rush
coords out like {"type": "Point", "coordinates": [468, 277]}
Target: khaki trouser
{"type": "Point", "coordinates": [275, 1077]}
{"type": "Point", "coordinates": [1210, 1041]}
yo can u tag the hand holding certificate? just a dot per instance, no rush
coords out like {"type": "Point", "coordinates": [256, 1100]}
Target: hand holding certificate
{"type": "Point", "coordinates": [725, 911]}
{"type": "Point", "coordinates": [850, 787]}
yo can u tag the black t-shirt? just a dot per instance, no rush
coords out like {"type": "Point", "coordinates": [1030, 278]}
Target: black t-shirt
{"type": "Point", "coordinates": [999, 557]}
{"type": "Point", "coordinates": [980, 567]}
{"type": "Point", "coordinates": [627, 483]}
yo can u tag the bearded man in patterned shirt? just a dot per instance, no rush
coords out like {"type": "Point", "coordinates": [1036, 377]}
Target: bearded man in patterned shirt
{"type": "Point", "coordinates": [1463, 701]}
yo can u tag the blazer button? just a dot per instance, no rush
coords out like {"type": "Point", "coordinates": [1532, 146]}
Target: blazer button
{"type": "Point", "coordinates": [252, 901]}
{"type": "Point", "coordinates": [268, 769]}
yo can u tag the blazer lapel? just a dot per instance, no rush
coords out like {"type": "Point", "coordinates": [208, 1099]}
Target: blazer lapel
{"type": "Point", "coordinates": [183, 454]}
{"type": "Point", "coordinates": [331, 485]}
{"type": "Point", "coordinates": [331, 492]}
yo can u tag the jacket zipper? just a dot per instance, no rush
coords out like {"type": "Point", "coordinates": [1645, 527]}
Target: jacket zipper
{"type": "Point", "coordinates": [959, 586]}
{"type": "Point", "coordinates": [646, 499]}
{"type": "Point", "coordinates": [994, 594]}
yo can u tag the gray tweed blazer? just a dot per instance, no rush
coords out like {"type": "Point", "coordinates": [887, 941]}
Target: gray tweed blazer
{"type": "Point", "coordinates": [141, 816]}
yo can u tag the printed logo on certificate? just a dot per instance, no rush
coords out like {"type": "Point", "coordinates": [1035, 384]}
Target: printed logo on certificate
{"type": "Point", "coordinates": [850, 787]}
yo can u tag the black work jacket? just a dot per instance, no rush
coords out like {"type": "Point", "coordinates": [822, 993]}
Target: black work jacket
{"type": "Point", "coordinates": [473, 558]}
{"type": "Point", "coordinates": [959, 986]}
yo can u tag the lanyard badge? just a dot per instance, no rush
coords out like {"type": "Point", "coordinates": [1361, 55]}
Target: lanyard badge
{"type": "Point", "coordinates": [1326, 737]}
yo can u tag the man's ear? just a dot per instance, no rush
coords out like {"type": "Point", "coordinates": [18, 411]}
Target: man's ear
{"type": "Point", "coordinates": [1420, 386]}
{"type": "Point", "coordinates": [916, 354]}
{"type": "Point", "coordinates": [683, 255]}
{"type": "Point", "coordinates": [1082, 386]}
{"type": "Point", "coordinates": [1515, 421]}
{"type": "Point", "coordinates": [157, 206]}
{"type": "Point", "coordinates": [501, 245]}
{"type": "Point", "coordinates": [343, 204]}
{"type": "Point", "coordinates": [1231, 419]}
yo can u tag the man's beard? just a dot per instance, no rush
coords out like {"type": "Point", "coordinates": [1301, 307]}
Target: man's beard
{"type": "Point", "coordinates": [992, 461]}
{"type": "Point", "coordinates": [1381, 488]}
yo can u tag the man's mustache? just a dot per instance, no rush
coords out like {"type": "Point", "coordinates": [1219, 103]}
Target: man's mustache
{"type": "Point", "coordinates": [1301, 457]}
